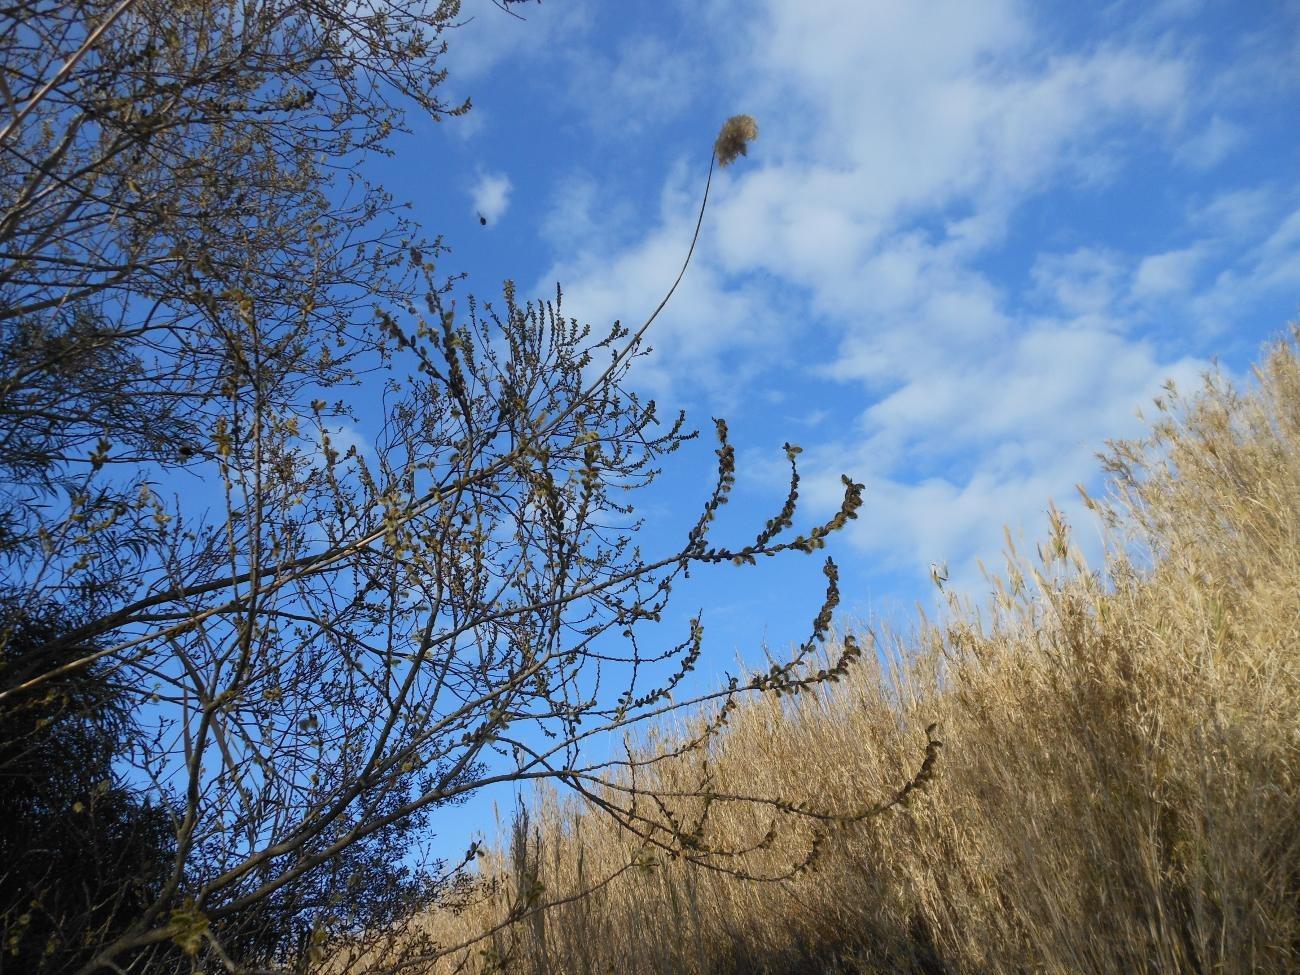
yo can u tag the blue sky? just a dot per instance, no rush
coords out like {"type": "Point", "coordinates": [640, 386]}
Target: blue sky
{"type": "Point", "coordinates": [971, 240]}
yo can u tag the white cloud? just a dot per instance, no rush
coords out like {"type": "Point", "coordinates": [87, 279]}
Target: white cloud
{"type": "Point", "coordinates": [491, 196]}
{"type": "Point", "coordinates": [871, 116]}
{"type": "Point", "coordinates": [1285, 239]}
{"type": "Point", "coordinates": [1172, 272]}
{"type": "Point", "coordinates": [709, 336]}
{"type": "Point", "coordinates": [1212, 145]}
{"type": "Point", "coordinates": [487, 35]}
{"type": "Point", "coordinates": [1002, 437]}
{"type": "Point", "coordinates": [472, 125]}
{"type": "Point", "coordinates": [571, 217]}
{"type": "Point", "coordinates": [1081, 282]}
{"type": "Point", "coordinates": [899, 145]}
{"type": "Point", "coordinates": [1235, 213]}
{"type": "Point", "coordinates": [1046, 389]}
{"type": "Point", "coordinates": [343, 438]}
{"type": "Point", "coordinates": [642, 85]}
{"type": "Point", "coordinates": [581, 219]}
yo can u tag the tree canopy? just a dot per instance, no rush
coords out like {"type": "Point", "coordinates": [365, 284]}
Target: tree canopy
{"type": "Point", "coordinates": [196, 284]}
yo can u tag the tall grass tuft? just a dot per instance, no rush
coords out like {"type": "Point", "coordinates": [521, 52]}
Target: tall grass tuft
{"type": "Point", "coordinates": [1118, 788]}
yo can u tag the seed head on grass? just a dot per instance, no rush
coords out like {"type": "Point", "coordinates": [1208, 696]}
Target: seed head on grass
{"type": "Point", "coordinates": [734, 139]}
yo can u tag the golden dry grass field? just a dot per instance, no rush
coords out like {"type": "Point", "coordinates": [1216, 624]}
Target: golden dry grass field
{"type": "Point", "coordinates": [1117, 791]}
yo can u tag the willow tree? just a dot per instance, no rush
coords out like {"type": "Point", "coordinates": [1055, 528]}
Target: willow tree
{"type": "Point", "coordinates": [332, 644]}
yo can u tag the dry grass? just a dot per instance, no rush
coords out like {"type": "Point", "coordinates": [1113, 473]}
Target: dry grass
{"type": "Point", "coordinates": [1118, 791]}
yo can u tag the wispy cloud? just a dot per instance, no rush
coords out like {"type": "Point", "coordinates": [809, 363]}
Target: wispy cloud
{"type": "Point", "coordinates": [487, 36]}
{"type": "Point", "coordinates": [904, 230]}
{"type": "Point", "coordinates": [1167, 273]}
{"type": "Point", "coordinates": [1212, 144]}
{"type": "Point", "coordinates": [641, 86]}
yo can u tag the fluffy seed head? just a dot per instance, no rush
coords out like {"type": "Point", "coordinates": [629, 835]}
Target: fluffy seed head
{"type": "Point", "coordinates": [733, 141]}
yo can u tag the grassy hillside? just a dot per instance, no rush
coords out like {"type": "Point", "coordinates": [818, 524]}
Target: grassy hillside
{"type": "Point", "coordinates": [1118, 791]}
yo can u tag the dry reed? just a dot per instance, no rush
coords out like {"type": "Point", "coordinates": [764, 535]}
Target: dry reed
{"type": "Point", "coordinates": [1118, 792]}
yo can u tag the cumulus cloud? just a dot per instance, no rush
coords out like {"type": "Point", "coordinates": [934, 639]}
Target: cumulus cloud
{"type": "Point", "coordinates": [491, 196]}
{"type": "Point", "coordinates": [711, 337]}
{"type": "Point", "coordinates": [939, 490]}
{"type": "Point", "coordinates": [901, 144]}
